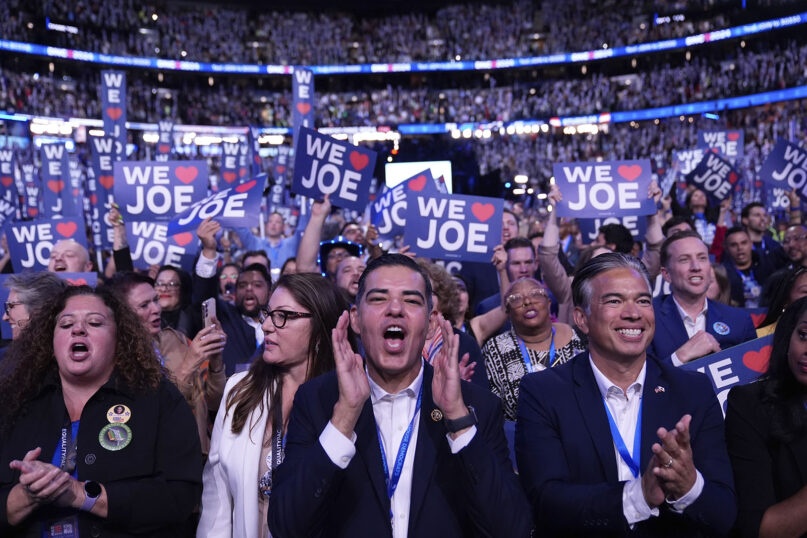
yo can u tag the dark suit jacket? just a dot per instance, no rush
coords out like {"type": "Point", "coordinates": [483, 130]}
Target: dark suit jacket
{"type": "Point", "coordinates": [766, 469]}
{"type": "Point", "coordinates": [471, 493]}
{"type": "Point", "coordinates": [762, 268]}
{"type": "Point", "coordinates": [567, 462]}
{"type": "Point", "coordinates": [671, 333]}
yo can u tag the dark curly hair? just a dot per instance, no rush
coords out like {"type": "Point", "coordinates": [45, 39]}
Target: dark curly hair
{"type": "Point", "coordinates": [444, 288]}
{"type": "Point", "coordinates": [31, 361]}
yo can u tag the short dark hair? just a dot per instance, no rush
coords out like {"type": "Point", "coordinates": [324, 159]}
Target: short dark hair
{"type": "Point", "coordinates": [392, 260]}
{"type": "Point", "coordinates": [677, 236]}
{"type": "Point", "coordinates": [735, 230]}
{"type": "Point", "coordinates": [619, 236]}
{"type": "Point", "coordinates": [581, 285]}
{"type": "Point", "coordinates": [123, 282]}
{"type": "Point", "coordinates": [348, 223]}
{"type": "Point", "coordinates": [258, 268]}
{"type": "Point", "coordinates": [747, 209]}
{"type": "Point", "coordinates": [519, 242]}
{"type": "Point", "coordinates": [518, 221]}
{"type": "Point", "coordinates": [262, 253]}
{"type": "Point", "coordinates": [675, 221]}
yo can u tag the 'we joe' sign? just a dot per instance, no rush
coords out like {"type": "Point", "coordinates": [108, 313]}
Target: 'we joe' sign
{"type": "Point", "coordinates": [236, 206]}
{"type": "Point", "coordinates": [453, 227]}
{"type": "Point", "coordinates": [324, 165]}
{"type": "Point", "coordinates": [157, 191]}
{"type": "Point", "coordinates": [786, 167]}
{"type": "Point", "coordinates": [606, 189]}
{"type": "Point", "coordinates": [388, 211]}
{"type": "Point", "coordinates": [30, 243]}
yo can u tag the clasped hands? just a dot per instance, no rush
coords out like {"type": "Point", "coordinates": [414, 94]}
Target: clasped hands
{"type": "Point", "coordinates": [671, 472]}
{"type": "Point", "coordinates": [44, 483]}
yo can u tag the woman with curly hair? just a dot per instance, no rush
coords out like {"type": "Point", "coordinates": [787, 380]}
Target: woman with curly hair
{"type": "Point", "coordinates": [766, 434]}
{"type": "Point", "coordinates": [95, 438]}
{"type": "Point", "coordinates": [249, 432]}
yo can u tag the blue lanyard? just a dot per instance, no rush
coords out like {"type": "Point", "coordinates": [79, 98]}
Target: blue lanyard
{"type": "Point", "coordinates": [525, 355]}
{"type": "Point", "coordinates": [392, 481]}
{"type": "Point", "coordinates": [159, 355]}
{"type": "Point", "coordinates": [631, 461]}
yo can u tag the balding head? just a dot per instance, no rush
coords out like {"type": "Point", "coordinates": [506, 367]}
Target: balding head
{"type": "Point", "coordinates": [69, 256]}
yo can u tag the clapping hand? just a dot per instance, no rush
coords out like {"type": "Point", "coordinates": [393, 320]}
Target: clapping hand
{"type": "Point", "coordinates": [42, 482]}
{"type": "Point", "coordinates": [446, 381]}
{"type": "Point", "coordinates": [676, 469]}
{"type": "Point", "coordinates": [354, 388]}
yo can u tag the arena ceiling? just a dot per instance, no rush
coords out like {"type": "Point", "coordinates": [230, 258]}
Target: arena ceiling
{"type": "Point", "coordinates": [359, 7]}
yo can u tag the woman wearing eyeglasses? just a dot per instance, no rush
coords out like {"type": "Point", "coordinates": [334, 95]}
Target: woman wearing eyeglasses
{"type": "Point", "coordinates": [534, 343]}
{"type": "Point", "coordinates": [228, 278]}
{"type": "Point", "coordinates": [28, 292]}
{"type": "Point", "coordinates": [249, 432]}
{"type": "Point", "coordinates": [173, 287]}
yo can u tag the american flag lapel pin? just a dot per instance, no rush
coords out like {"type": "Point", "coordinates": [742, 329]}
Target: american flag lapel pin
{"type": "Point", "coordinates": [659, 388]}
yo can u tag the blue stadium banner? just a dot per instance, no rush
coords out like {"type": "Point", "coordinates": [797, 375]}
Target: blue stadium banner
{"type": "Point", "coordinates": [155, 191]}
{"type": "Point", "coordinates": [165, 142]}
{"type": "Point", "coordinates": [388, 211]}
{"type": "Point", "coordinates": [786, 167]}
{"type": "Point", "coordinates": [604, 189]}
{"type": "Point", "coordinates": [453, 226]}
{"type": "Point", "coordinates": [233, 207]}
{"type": "Point", "coordinates": [58, 196]}
{"type": "Point", "coordinates": [150, 244]}
{"type": "Point", "coordinates": [730, 144]}
{"type": "Point", "coordinates": [30, 242]}
{"type": "Point", "coordinates": [113, 105]}
{"type": "Point", "coordinates": [324, 165]}
{"type": "Point", "coordinates": [302, 88]}
{"type": "Point", "coordinates": [736, 365]}
{"type": "Point", "coordinates": [715, 176]}
{"type": "Point", "coordinates": [590, 228]}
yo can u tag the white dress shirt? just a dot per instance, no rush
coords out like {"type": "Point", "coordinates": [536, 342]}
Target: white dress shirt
{"type": "Point", "coordinates": [624, 408]}
{"type": "Point", "coordinates": [692, 326]}
{"type": "Point", "coordinates": [393, 413]}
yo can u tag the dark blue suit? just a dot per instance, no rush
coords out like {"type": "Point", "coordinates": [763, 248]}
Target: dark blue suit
{"type": "Point", "coordinates": [567, 462]}
{"type": "Point", "coordinates": [471, 493]}
{"type": "Point", "coordinates": [671, 333]}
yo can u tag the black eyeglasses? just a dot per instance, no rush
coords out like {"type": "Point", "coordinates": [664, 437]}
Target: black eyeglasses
{"type": "Point", "coordinates": [279, 317]}
{"type": "Point", "coordinates": [11, 304]}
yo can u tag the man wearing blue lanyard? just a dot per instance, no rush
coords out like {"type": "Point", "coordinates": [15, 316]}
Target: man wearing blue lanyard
{"type": "Point", "coordinates": [747, 269]}
{"type": "Point", "coordinates": [613, 442]}
{"type": "Point", "coordinates": [393, 446]}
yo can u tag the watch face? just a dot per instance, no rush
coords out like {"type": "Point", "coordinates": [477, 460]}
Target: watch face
{"type": "Point", "coordinates": [92, 488]}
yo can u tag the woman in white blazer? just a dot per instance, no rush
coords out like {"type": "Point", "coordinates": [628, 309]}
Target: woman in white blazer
{"type": "Point", "coordinates": [249, 432]}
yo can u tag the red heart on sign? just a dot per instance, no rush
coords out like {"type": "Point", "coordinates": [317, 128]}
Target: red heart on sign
{"type": "Point", "coordinates": [280, 169]}
{"type": "Point", "coordinates": [186, 174]}
{"type": "Point", "coordinates": [76, 281]}
{"type": "Point", "coordinates": [114, 112]}
{"type": "Point", "coordinates": [758, 360]}
{"type": "Point", "coordinates": [629, 172]}
{"type": "Point", "coordinates": [56, 186]}
{"type": "Point", "coordinates": [229, 177]}
{"type": "Point", "coordinates": [106, 181]}
{"type": "Point", "coordinates": [7, 180]}
{"type": "Point", "coordinates": [66, 229]}
{"type": "Point", "coordinates": [733, 136]}
{"type": "Point", "coordinates": [418, 183]}
{"type": "Point", "coordinates": [183, 238]}
{"type": "Point", "coordinates": [164, 148]}
{"type": "Point", "coordinates": [93, 199]}
{"type": "Point", "coordinates": [758, 319]}
{"type": "Point", "coordinates": [244, 187]}
{"type": "Point", "coordinates": [482, 211]}
{"type": "Point", "coordinates": [75, 192]}
{"type": "Point", "coordinates": [304, 108]}
{"type": "Point", "coordinates": [33, 212]}
{"type": "Point", "coordinates": [257, 159]}
{"type": "Point", "coordinates": [242, 172]}
{"type": "Point", "coordinates": [732, 178]}
{"type": "Point", "coordinates": [358, 160]}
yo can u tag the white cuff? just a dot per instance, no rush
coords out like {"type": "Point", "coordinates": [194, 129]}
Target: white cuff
{"type": "Point", "coordinates": [339, 448]}
{"type": "Point", "coordinates": [206, 267]}
{"type": "Point", "coordinates": [462, 440]}
{"type": "Point", "coordinates": [675, 360]}
{"type": "Point", "coordinates": [691, 496]}
{"type": "Point", "coordinates": [634, 505]}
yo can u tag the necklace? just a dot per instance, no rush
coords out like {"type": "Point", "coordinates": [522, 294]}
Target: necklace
{"type": "Point", "coordinates": [544, 339]}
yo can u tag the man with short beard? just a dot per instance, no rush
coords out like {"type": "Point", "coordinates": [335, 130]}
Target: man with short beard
{"type": "Point", "coordinates": [347, 276]}
{"type": "Point", "coordinates": [241, 322]}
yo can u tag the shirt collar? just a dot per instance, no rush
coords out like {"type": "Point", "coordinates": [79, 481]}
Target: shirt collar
{"type": "Point", "coordinates": [604, 384]}
{"type": "Point", "coordinates": [377, 393]}
{"type": "Point", "coordinates": [684, 315]}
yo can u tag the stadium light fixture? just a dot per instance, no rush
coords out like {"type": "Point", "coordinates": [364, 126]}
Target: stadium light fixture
{"type": "Point", "coordinates": [521, 179]}
{"type": "Point", "coordinates": [711, 116]}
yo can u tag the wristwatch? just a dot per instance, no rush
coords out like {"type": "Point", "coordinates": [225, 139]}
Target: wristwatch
{"type": "Point", "coordinates": [453, 426]}
{"type": "Point", "coordinates": [92, 491]}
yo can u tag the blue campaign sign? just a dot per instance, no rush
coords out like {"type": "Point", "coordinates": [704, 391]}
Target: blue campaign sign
{"type": "Point", "coordinates": [715, 176]}
{"type": "Point", "coordinates": [302, 88]}
{"type": "Point", "coordinates": [233, 207]}
{"type": "Point", "coordinates": [452, 226]}
{"type": "Point", "coordinates": [113, 100]}
{"type": "Point", "coordinates": [230, 152]}
{"type": "Point", "coordinates": [685, 161]}
{"type": "Point", "coordinates": [736, 365]}
{"type": "Point", "coordinates": [786, 167]}
{"type": "Point", "coordinates": [105, 152]}
{"type": "Point", "coordinates": [388, 211]}
{"type": "Point", "coordinates": [150, 244]}
{"type": "Point", "coordinates": [324, 165]}
{"type": "Point", "coordinates": [280, 166]}
{"type": "Point", "coordinates": [165, 142]}
{"type": "Point", "coordinates": [589, 228]}
{"type": "Point", "coordinates": [254, 143]}
{"type": "Point", "coordinates": [729, 143]}
{"type": "Point", "coordinates": [776, 199]}
{"type": "Point", "coordinates": [158, 191]}
{"type": "Point", "coordinates": [604, 189]}
{"type": "Point", "coordinates": [32, 190]}
{"type": "Point", "coordinates": [30, 243]}
{"type": "Point", "coordinates": [7, 167]}
{"type": "Point", "coordinates": [58, 196]}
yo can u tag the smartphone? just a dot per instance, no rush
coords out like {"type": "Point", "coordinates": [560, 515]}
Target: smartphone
{"type": "Point", "coordinates": [209, 311]}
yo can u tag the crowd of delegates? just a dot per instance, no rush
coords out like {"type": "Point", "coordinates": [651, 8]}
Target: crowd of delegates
{"type": "Point", "coordinates": [756, 68]}
{"type": "Point", "coordinates": [520, 28]}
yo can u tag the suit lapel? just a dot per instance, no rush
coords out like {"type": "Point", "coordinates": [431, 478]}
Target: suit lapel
{"type": "Point", "coordinates": [798, 448]}
{"type": "Point", "coordinates": [592, 409]}
{"type": "Point", "coordinates": [671, 321]}
{"type": "Point", "coordinates": [657, 409]}
{"type": "Point", "coordinates": [430, 435]}
{"type": "Point", "coordinates": [367, 445]}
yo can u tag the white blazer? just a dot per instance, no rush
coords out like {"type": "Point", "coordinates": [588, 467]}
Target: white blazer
{"type": "Point", "coordinates": [230, 495]}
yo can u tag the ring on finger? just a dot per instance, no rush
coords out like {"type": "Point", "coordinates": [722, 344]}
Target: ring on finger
{"type": "Point", "coordinates": [668, 464]}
